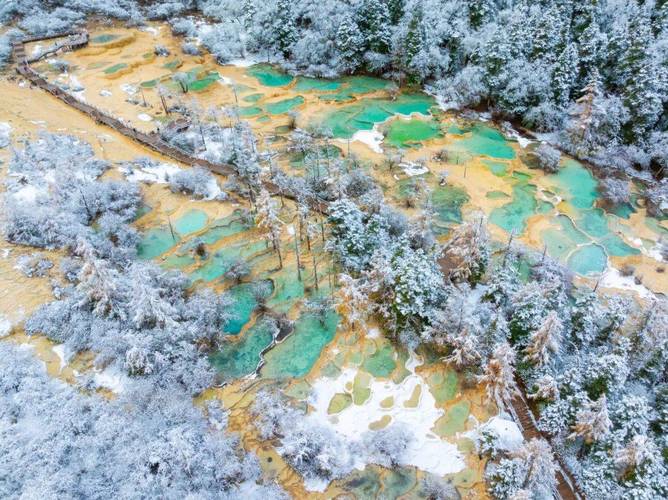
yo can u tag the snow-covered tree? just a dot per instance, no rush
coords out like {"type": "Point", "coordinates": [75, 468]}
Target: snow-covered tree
{"type": "Point", "coordinates": [545, 341]}
{"type": "Point", "coordinates": [269, 222]}
{"type": "Point", "coordinates": [592, 421]}
{"type": "Point", "coordinates": [499, 376]}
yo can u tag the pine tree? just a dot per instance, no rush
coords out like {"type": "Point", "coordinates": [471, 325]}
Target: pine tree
{"type": "Point", "coordinates": [565, 74]}
{"type": "Point", "coordinates": [373, 20]}
{"type": "Point", "coordinates": [480, 11]}
{"type": "Point", "coordinates": [592, 421]}
{"type": "Point", "coordinates": [268, 221]}
{"type": "Point", "coordinates": [499, 376]}
{"type": "Point", "coordinates": [352, 301]}
{"type": "Point", "coordinates": [99, 282]}
{"type": "Point", "coordinates": [413, 46]}
{"type": "Point", "coordinates": [396, 9]}
{"type": "Point", "coordinates": [349, 43]}
{"type": "Point", "coordinates": [545, 340]}
{"type": "Point", "coordinates": [641, 90]}
{"type": "Point", "coordinates": [285, 31]}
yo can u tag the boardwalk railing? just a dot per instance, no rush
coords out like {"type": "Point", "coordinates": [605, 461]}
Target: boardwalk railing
{"type": "Point", "coordinates": [151, 140]}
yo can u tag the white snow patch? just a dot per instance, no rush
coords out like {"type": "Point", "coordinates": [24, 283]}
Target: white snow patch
{"type": "Point", "coordinates": [412, 169]}
{"type": "Point", "coordinates": [112, 379]}
{"type": "Point", "coordinates": [373, 333]}
{"type": "Point", "coordinates": [427, 451]}
{"type": "Point", "coordinates": [6, 252]}
{"type": "Point", "coordinates": [5, 132]}
{"type": "Point", "coordinates": [372, 138]}
{"type": "Point", "coordinates": [155, 31]}
{"type": "Point", "coordinates": [129, 88]}
{"type": "Point", "coordinates": [224, 80]}
{"type": "Point", "coordinates": [105, 93]}
{"type": "Point", "coordinates": [62, 354]}
{"type": "Point", "coordinates": [37, 50]}
{"type": "Point", "coordinates": [144, 117]}
{"type": "Point", "coordinates": [5, 326]}
{"type": "Point", "coordinates": [508, 433]}
{"type": "Point", "coordinates": [243, 62]}
{"type": "Point", "coordinates": [158, 173]}
{"type": "Point", "coordinates": [28, 193]}
{"type": "Point", "coordinates": [612, 278]}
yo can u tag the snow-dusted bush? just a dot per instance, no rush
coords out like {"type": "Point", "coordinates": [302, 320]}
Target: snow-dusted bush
{"type": "Point", "coordinates": [190, 49]}
{"type": "Point", "coordinates": [614, 191]}
{"type": "Point", "coordinates": [196, 181]}
{"type": "Point", "coordinates": [548, 157]}
{"type": "Point", "coordinates": [34, 265]}
{"type": "Point", "coordinates": [148, 442]}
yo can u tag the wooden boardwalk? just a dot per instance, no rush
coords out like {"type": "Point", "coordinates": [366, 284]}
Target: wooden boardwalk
{"type": "Point", "coordinates": [566, 486]}
{"type": "Point", "coordinates": [151, 140]}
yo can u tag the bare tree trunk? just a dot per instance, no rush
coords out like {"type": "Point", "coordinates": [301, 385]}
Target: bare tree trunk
{"type": "Point", "coordinates": [277, 247]}
{"type": "Point", "coordinates": [171, 229]}
{"type": "Point", "coordinates": [315, 270]}
{"type": "Point", "coordinates": [299, 265]}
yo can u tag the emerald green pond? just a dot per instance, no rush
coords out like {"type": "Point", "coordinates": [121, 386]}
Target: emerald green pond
{"type": "Point", "coordinates": [405, 133]}
{"type": "Point", "coordinates": [244, 302]}
{"type": "Point", "coordinates": [248, 111]}
{"type": "Point", "coordinates": [252, 98]}
{"type": "Point", "coordinates": [497, 168]}
{"type": "Point", "coordinates": [576, 184]}
{"type": "Point", "coordinates": [241, 358]}
{"type": "Point", "coordinates": [381, 363]}
{"type": "Point", "coordinates": [269, 76]}
{"type": "Point", "coordinates": [191, 222]}
{"type": "Point", "coordinates": [116, 67]}
{"type": "Point", "coordinates": [447, 202]}
{"type": "Point", "coordinates": [513, 215]}
{"type": "Point", "coordinates": [305, 84]}
{"type": "Point", "coordinates": [204, 82]}
{"type": "Point", "coordinates": [155, 242]}
{"type": "Point", "coordinates": [484, 140]}
{"type": "Point", "coordinates": [364, 114]}
{"type": "Point", "coordinates": [296, 355]}
{"type": "Point", "coordinates": [280, 107]}
{"type": "Point", "coordinates": [221, 261]}
{"type": "Point", "coordinates": [104, 38]}
{"type": "Point", "coordinates": [589, 259]}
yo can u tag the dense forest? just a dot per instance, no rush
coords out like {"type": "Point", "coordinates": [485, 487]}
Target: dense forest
{"type": "Point", "coordinates": [589, 77]}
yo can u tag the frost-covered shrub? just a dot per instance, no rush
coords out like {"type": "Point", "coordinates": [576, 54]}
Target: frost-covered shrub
{"type": "Point", "coordinates": [548, 157]}
{"type": "Point", "coordinates": [167, 9]}
{"type": "Point", "coordinates": [146, 443]}
{"type": "Point", "coordinates": [183, 26]}
{"type": "Point", "coordinates": [388, 446]}
{"type": "Point", "coordinates": [196, 181]}
{"type": "Point", "coordinates": [190, 49]}
{"type": "Point", "coordinates": [34, 265]}
{"type": "Point", "coordinates": [465, 89]}
{"type": "Point", "coordinates": [657, 199]}
{"type": "Point", "coordinates": [38, 226]}
{"type": "Point", "coordinates": [52, 21]}
{"type": "Point", "coordinates": [615, 191]}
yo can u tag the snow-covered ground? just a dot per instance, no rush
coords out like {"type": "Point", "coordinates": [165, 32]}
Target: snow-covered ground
{"type": "Point", "coordinates": [5, 134]}
{"type": "Point", "coordinates": [412, 169]}
{"type": "Point", "coordinates": [158, 173]}
{"type": "Point", "coordinates": [111, 378]}
{"type": "Point", "coordinates": [612, 278]}
{"type": "Point", "coordinates": [427, 451]}
{"type": "Point", "coordinates": [372, 138]}
{"type": "Point", "coordinates": [508, 434]}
